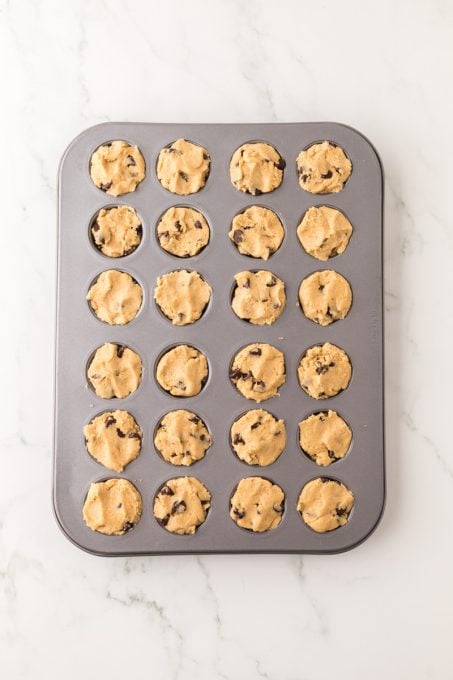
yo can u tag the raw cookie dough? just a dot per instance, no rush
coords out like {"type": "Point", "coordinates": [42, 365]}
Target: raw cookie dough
{"type": "Point", "coordinates": [182, 231]}
{"type": "Point", "coordinates": [257, 371]}
{"type": "Point", "coordinates": [182, 296]}
{"type": "Point", "coordinates": [325, 504]}
{"type": "Point", "coordinates": [324, 371]}
{"type": "Point", "coordinates": [324, 437]}
{"type": "Point", "coordinates": [117, 168]}
{"type": "Point", "coordinates": [256, 168]}
{"type": "Point", "coordinates": [257, 504]}
{"type": "Point", "coordinates": [259, 297]}
{"type": "Point", "coordinates": [182, 371]}
{"type": "Point", "coordinates": [323, 168]}
{"type": "Point", "coordinates": [117, 231]}
{"type": "Point", "coordinates": [183, 167]}
{"type": "Point", "coordinates": [257, 232]}
{"type": "Point", "coordinates": [115, 297]}
{"type": "Point", "coordinates": [182, 438]}
{"type": "Point", "coordinates": [258, 437]}
{"type": "Point", "coordinates": [325, 297]}
{"type": "Point", "coordinates": [113, 439]}
{"type": "Point", "coordinates": [114, 371]}
{"type": "Point", "coordinates": [181, 505]}
{"type": "Point", "coordinates": [324, 232]}
{"type": "Point", "coordinates": [112, 507]}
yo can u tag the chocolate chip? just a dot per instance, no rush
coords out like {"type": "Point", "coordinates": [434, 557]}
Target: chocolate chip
{"type": "Point", "coordinates": [202, 437]}
{"type": "Point", "coordinates": [127, 526]}
{"type": "Point", "coordinates": [183, 176]}
{"type": "Point", "coordinates": [95, 227]}
{"type": "Point", "coordinates": [197, 224]}
{"type": "Point", "coordinates": [331, 454]}
{"type": "Point", "coordinates": [341, 511]}
{"type": "Point", "coordinates": [332, 364]}
{"type": "Point", "coordinates": [178, 507]}
{"type": "Point", "coordinates": [327, 175]}
{"type": "Point", "coordinates": [131, 161]}
{"type": "Point", "coordinates": [105, 187]}
{"type": "Point", "coordinates": [110, 420]}
{"type": "Point", "coordinates": [246, 283]}
{"type": "Point", "coordinates": [333, 252]}
{"type": "Point", "coordinates": [329, 313]}
{"type": "Point", "coordinates": [134, 435]}
{"type": "Point", "coordinates": [320, 370]}
{"type": "Point", "coordinates": [257, 352]}
{"type": "Point", "coordinates": [166, 490]}
{"type": "Point", "coordinates": [181, 386]}
{"type": "Point", "coordinates": [304, 178]}
{"type": "Point", "coordinates": [120, 433]}
{"type": "Point", "coordinates": [257, 192]}
{"type": "Point", "coordinates": [178, 226]}
{"type": "Point", "coordinates": [238, 439]}
{"type": "Point", "coordinates": [205, 502]}
{"type": "Point", "coordinates": [163, 521]}
{"type": "Point", "coordinates": [239, 514]}
{"type": "Point", "coordinates": [205, 156]}
{"type": "Point", "coordinates": [260, 384]}
{"type": "Point", "coordinates": [95, 376]}
{"type": "Point", "coordinates": [321, 287]}
{"type": "Point", "coordinates": [120, 351]}
{"type": "Point", "coordinates": [180, 316]}
{"type": "Point", "coordinates": [281, 165]}
{"type": "Point", "coordinates": [164, 234]}
{"type": "Point", "coordinates": [272, 283]}
{"type": "Point", "coordinates": [194, 419]}
{"type": "Point", "coordinates": [235, 374]}
{"type": "Point", "coordinates": [255, 425]}
{"type": "Point", "coordinates": [238, 236]}
{"type": "Point", "coordinates": [324, 480]}
{"type": "Point", "coordinates": [276, 434]}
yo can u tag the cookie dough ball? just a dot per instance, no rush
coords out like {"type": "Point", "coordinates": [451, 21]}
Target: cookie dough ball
{"type": "Point", "coordinates": [112, 507]}
{"type": "Point", "coordinates": [257, 232]}
{"type": "Point", "coordinates": [259, 297]}
{"type": "Point", "coordinates": [183, 232]}
{"type": "Point", "coordinates": [257, 504]}
{"type": "Point", "coordinates": [117, 231]}
{"type": "Point", "coordinates": [181, 505]}
{"type": "Point", "coordinates": [324, 371]}
{"type": "Point", "coordinates": [115, 297]}
{"type": "Point", "coordinates": [258, 437]}
{"type": "Point", "coordinates": [257, 371]}
{"type": "Point", "coordinates": [117, 168]}
{"type": "Point", "coordinates": [324, 232]}
{"type": "Point", "coordinates": [182, 438]}
{"type": "Point", "coordinates": [114, 371]}
{"type": "Point", "coordinates": [182, 296]}
{"type": "Point", "coordinates": [182, 371]}
{"type": "Point", "coordinates": [183, 167]}
{"type": "Point", "coordinates": [325, 504]}
{"type": "Point", "coordinates": [113, 439]}
{"type": "Point", "coordinates": [325, 437]}
{"type": "Point", "coordinates": [323, 168]}
{"type": "Point", "coordinates": [256, 168]}
{"type": "Point", "coordinates": [325, 297]}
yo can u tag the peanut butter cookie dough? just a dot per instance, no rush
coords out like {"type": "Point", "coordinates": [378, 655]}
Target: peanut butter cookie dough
{"type": "Point", "coordinates": [117, 168]}
{"type": "Point", "coordinates": [257, 371]}
{"type": "Point", "coordinates": [182, 371]}
{"type": "Point", "coordinates": [113, 439]}
{"type": "Point", "coordinates": [114, 371]}
{"type": "Point", "coordinates": [181, 505]}
{"type": "Point", "coordinates": [117, 231]}
{"type": "Point", "coordinates": [323, 168]}
{"type": "Point", "coordinates": [324, 371]}
{"type": "Point", "coordinates": [256, 168]}
{"type": "Point", "coordinates": [182, 296]}
{"type": "Point", "coordinates": [325, 297]}
{"type": "Point", "coordinates": [325, 504]}
{"type": "Point", "coordinates": [112, 507]}
{"type": "Point", "coordinates": [257, 504]}
{"type": "Point", "coordinates": [115, 297]}
{"type": "Point", "coordinates": [325, 437]}
{"type": "Point", "coordinates": [257, 232]}
{"type": "Point", "coordinates": [259, 297]}
{"type": "Point", "coordinates": [324, 232]}
{"type": "Point", "coordinates": [258, 437]}
{"type": "Point", "coordinates": [183, 232]}
{"type": "Point", "coordinates": [182, 438]}
{"type": "Point", "coordinates": [183, 167]}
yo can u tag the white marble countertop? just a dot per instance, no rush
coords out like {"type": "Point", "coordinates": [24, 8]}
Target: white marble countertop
{"type": "Point", "coordinates": [383, 610]}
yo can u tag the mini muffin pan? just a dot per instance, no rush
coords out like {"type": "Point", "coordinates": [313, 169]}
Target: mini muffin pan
{"type": "Point", "coordinates": [220, 334]}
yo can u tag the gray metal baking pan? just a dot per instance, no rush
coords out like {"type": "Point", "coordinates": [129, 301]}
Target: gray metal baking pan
{"type": "Point", "coordinates": [219, 334]}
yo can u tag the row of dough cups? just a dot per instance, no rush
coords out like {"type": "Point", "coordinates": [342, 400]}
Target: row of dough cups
{"type": "Point", "coordinates": [230, 442]}
{"type": "Point", "coordinates": [234, 287]}
{"type": "Point", "coordinates": [205, 380]}
{"type": "Point", "coordinates": [233, 244]}
{"type": "Point", "coordinates": [202, 525]}
{"type": "Point", "coordinates": [267, 154]}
